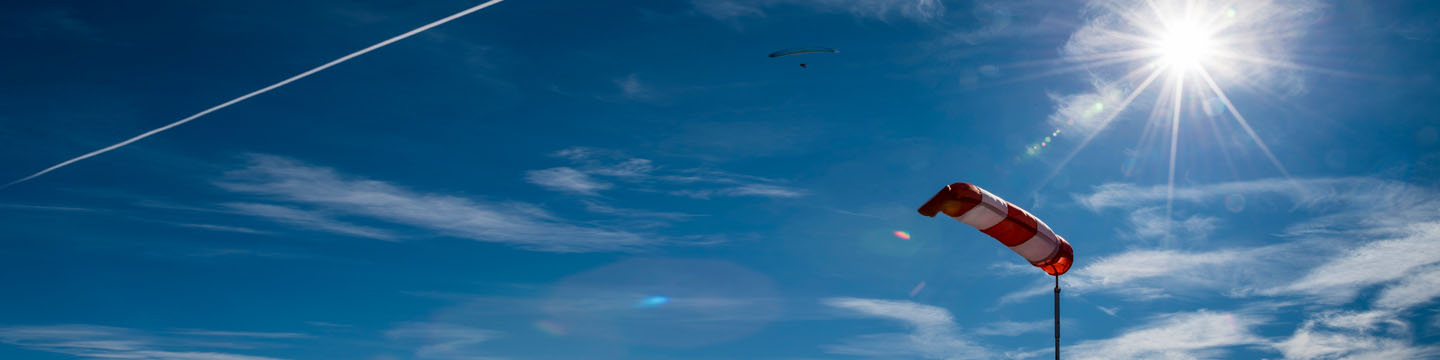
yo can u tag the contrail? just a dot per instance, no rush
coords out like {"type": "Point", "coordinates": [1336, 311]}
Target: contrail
{"type": "Point", "coordinates": [257, 92]}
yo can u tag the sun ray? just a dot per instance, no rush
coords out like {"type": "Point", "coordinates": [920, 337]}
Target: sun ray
{"type": "Point", "coordinates": [1292, 65]}
{"type": "Point", "coordinates": [1066, 70]}
{"type": "Point", "coordinates": [1174, 145]}
{"type": "Point", "coordinates": [1204, 75]}
{"type": "Point", "coordinates": [1103, 123]}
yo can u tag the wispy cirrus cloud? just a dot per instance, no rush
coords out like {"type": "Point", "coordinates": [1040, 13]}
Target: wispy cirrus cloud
{"type": "Point", "coordinates": [589, 165]}
{"type": "Point", "coordinates": [1391, 230]}
{"type": "Point", "coordinates": [1144, 275]}
{"type": "Point", "coordinates": [1397, 227]}
{"type": "Point", "coordinates": [309, 219]}
{"type": "Point", "coordinates": [323, 190]}
{"type": "Point", "coordinates": [1354, 335]}
{"type": "Point", "coordinates": [1412, 257]}
{"type": "Point", "coordinates": [883, 10]}
{"type": "Point", "coordinates": [1186, 335]}
{"type": "Point", "coordinates": [106, 342]}
{"type": "Point", "coordinates": [1012, 328]}
{"type": "Point", "coordinates": [932, 334]}
{"type": "Point", "coordinates": [442, 340]}
{"type": "Point", "coordinates": [1352, 236]}
{"type": "Point", "coordinates": [240, 334]}
{"type": "Point", "coordinates": [566, 179]}
{"type": "Point", "coordinates": [632, 89]}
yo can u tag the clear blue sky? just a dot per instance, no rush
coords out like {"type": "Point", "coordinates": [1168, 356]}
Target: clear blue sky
{"type": "Point", "coordinates": [638, 180]}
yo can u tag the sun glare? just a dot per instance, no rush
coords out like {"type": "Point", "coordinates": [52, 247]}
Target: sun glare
{"type": "Point", "coordinates": [1192, 41]}
{"type": "Point", "coordinates": [1184, 45]}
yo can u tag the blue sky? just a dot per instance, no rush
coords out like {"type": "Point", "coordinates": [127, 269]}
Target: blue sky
{"type": "Point", "coordinates": [637, 180]}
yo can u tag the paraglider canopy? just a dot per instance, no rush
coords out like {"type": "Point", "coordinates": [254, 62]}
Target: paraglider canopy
{"type": "Point", "coordinates": [805, 50]}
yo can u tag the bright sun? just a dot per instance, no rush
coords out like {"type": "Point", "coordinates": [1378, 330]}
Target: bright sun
{"type": "Point", "coordinates": [1184, 45]}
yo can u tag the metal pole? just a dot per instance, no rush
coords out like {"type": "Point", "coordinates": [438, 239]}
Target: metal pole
{"type": "Point", "coordinates": [1057, 317]}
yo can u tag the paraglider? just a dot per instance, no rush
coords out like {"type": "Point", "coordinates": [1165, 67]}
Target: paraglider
{"type": "Point", "coordinates": [798, 51]}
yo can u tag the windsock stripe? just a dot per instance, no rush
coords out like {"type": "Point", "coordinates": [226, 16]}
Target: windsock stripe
{"type": "Point", "coordinates": [1039, 248]}
{"type": "Point", "coordinates": [1017, 227]}
{"type": "Point", "coordinates": [990, 211]}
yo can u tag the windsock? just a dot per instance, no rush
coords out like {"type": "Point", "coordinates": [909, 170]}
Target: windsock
{"type": "Point", "coordinates": [1011, 225]}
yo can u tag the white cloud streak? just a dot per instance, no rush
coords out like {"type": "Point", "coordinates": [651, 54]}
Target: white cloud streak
{"type": "Point", "coordinates": [516, 224]}
{"type": "Point", "coordinates": [105, 342]}
{"type": "Point", "coordinates": [1143, 275]}
{"type": "Point", "coordinates": [883, 10]}
{"type": "Point", "coordinates": [256, 92]}
{"type": "Point", "coordinates": [1353, 335]}
{"type": "Point", "coordinates": [1013, 328]}
{"type": "Point", "coordinates": [566, 179]}
{"type": "Point", "coordinates": [590, 164]}
{"type": "Point", "coordinates": [443, 341]}
{"type": "Point", "coordinates": [1189, 335]}
{"type": "Point", "coordinates": [933, 333]}
{"type": "Point", "coordinates": [309, 220]}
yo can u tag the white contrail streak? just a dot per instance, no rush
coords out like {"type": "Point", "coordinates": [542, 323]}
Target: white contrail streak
{"type": "Point", "coordinates": [257, 92]}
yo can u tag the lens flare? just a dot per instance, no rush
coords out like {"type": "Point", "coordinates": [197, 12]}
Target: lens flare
{"type": "Point", "coordinates": [550, 327]}
{"type": "Point", "coordinates": [902, 235]}
{"type": "Point", "coordinates": [652, 301]}
{"type": "Point", "coordinates": [916, 290]}
{"type": "Point", "coordinates": [1235, 203]}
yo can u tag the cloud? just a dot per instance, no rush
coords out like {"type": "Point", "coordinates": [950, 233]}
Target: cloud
{"type": "Point", "coordinates": [1143, 275]}
{"type": "Point", "coordinates": [1089, 112]}
{"type": "Point", "coordinates": [726, 9]}
{"type": "Point", "coordinates": [1378, 262]}
{"type": "Point", "coordinates": [1108, 310]}
{"type": "Point", "coordinates": [1012, 328]}
{"type": "Point", "coordinates": [631, 88]}
{"type": "Point", "coordinates": [1389, 231]}
{"type": "Point", "coordinates": [241, 334]}
{"type": "Point", "coordinates": [1417, 288]}
{"type": "Point", "coordinates": [601, 208]}
{"type": "Point", "coordinates": [642, 174]}
{"type": "Point", "coordinates": [105, 342]}
{"type": "Point", "coordinates": [748, 190]}
{"type": "Point", "coordinates": [933, 333]}
{"type": "Point", "coordinates": [1353, 335]}
{"type": "Point", "coordinates": [1124, 195]}
{"type": "Point", "coordinates": [45, 208]}
{"type": "Point", "coordinates": [883, 10]}
{"type": "Point", "coordinates": [1187, 335]}
{"type": "Point", "coordinates": [443, 341]}
{"type": "Point", "coordinates": [566, 179]}
{"type": "Point", "coordinates": [1150, 223]}
{"type": "Point", "coordinates": [1352, 235]}
{"type": "Point", "coordinates": [518, 224]}
{"type": "Point", "coordinates": [308, 219]}
{"type": "Point", "coordinates": [223, 228]}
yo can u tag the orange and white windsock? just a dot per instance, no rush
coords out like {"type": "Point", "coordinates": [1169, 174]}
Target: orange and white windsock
{"type": "Point", "coordinates": [1013, 226]}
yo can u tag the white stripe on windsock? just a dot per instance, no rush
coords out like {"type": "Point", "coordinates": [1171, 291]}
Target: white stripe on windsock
{"type": "Point", "coordinates": [1039, 247]}
{"type": "Point", "coordinates": [990, 211]}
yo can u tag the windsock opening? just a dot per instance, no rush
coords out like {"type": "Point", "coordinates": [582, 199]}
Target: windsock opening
{"type": "Point", "coordinates": [953, 200]}
{"type": "Point", "coordinates": [1061, 262]}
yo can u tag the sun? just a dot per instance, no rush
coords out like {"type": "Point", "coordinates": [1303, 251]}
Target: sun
{"type": "Point", "coordinates": [1183, 45]}
{"type": "Point", "coordinates": [1199, 44]}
